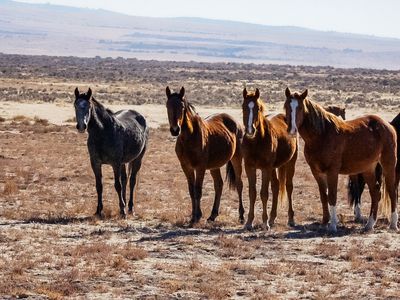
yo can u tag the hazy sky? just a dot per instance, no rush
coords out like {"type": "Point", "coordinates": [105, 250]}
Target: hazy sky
{"type": "Point", "coordinates": [373, 17]}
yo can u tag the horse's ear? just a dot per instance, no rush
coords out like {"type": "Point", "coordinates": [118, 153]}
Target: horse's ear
{"type": "Point", "coordinates": [244, 93]}
{"type": "Point", "coordinates": [304, 95]}
{"type": "Point", "coordinates": [287, 92]}
{"type": "Point", "coordinates": [76, 92]}
{"type": "Point", "coordinates": [168, 91]}
{"type": "Point", "coordinates": [89, 93]}
{"type": "Point", "coordinates": [182, 92]}
{"type": "Point", "coordinates": [257, 94]}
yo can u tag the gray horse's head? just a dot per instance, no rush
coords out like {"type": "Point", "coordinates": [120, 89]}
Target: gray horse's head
{"type": "Point", "coordinates": [82, 109]}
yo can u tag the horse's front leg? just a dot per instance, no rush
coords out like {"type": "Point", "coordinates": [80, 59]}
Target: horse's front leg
{"type": "Point", "coordinates": [218, 185]}
{"type": "Point", "coordinates": [118, 187]}
{"type": "Point", "coordinates": [332, 180]}
{"type": "Point", "coordinates": [252, 178]}
{"type": "Point", "coordinates": [96, 167]}
{"type": "Point", "coordinates": [323, 188]}
{"type": "Point", "coordinates": [275, 196]}
{"type": "Point", "coordinates": [189, 173]}
{"type": "Point", "coordinates": [265, 179]}
{"type": "Point", "coordinates": [198, 192]}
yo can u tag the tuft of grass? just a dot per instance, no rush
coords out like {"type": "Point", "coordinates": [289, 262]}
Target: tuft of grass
{"type": "Point", "coordinates": [10, 187]}
{"type": "Point", "coordinates": [40, 121]}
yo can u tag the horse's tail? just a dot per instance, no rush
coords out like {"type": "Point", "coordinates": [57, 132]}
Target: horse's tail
{"type": "Point", "coordinates": [386, 206]}
{"type": "Point", "coordinates": [230, 175]}
{"type": "Point", "coordinates": [355, 187]}
{"type": "Point", "coordinates": [282, 185]}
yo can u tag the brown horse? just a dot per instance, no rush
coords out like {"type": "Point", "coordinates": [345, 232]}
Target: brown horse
{"type": "Point", "coordinates": [267, 146]}
{"type": "Point", "coordinates": [336, 110]}
{"type": "Point", "coordinates": [205, 145]}
{"type": "Point", "coordinates": [334, 146]}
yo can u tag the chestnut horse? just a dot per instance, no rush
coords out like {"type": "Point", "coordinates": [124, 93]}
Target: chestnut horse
{"type": "Point", "coordinates": [357, 183]}
{"type": "Point", "coordinates": [267, 146]}
{"type": "Point", "coordinates": [205, 145]}
{"type": "Point", "coordinates": [334, 146]}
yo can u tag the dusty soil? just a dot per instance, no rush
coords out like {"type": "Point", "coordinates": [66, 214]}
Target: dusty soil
{"type": "Point", "coordinates": [52, 247]}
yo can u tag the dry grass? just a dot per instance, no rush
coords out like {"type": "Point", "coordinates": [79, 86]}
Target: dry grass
{"type": "Point", "coordinates": [53, 247]}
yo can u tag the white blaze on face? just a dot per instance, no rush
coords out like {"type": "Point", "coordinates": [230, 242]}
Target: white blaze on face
{"type": "Point", "coordinates": [250, 121]}
{"type": "Point", "coordinates": [293, 105]}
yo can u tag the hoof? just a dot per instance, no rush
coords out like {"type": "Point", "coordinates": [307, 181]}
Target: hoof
{"type": "Point", "coordinates": [99, 215]}
{"type": "Point", "coordinates": [265, 226]}
{"type": "Point", "coordinates": [248, 227]}
{"type": "Point", "coordinates": [271, 223]}
{"type": "Point", "coordinates": [131, 211]}
{"type": "Point", "coordinates": [332, 228]}
{"type": "Point", "coordinates": [393, 227]}
{"type": "Point", "coordinates": [241, 220]}
{"type": "Point", "coordinates": [211, 218]}
{"type": "Point", "coordinates": [291, 223]}
{"type": "Point", "coordinates": [358, 220]}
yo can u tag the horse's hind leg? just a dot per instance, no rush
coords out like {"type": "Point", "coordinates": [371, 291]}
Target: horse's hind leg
{"type": "Point", "coordinates": [356, 188]}
{"type": "Point", "coordinates": [375, 194]}
{"type": "Point", "coordinates": [237, 167]}
{"type": "Point", "coordinates": [118, 187]}
{"type": "Point", "coordinates": [123, 181]}
{"type": "Point", "coordinates": [218, 185]}
{"type": "Point", "coordinates": [134, 167]}
{"type": "Point", "coordinates": [96, 167]}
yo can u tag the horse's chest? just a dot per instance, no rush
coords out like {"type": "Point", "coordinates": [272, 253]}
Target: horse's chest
{"type": "Point", "coordinates": [258, 155]}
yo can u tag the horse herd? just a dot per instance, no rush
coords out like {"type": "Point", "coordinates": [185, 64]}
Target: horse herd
{"type": "Point", "coordinates": [364, 148]}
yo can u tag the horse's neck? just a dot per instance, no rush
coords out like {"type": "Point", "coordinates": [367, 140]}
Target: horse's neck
{"type": "Point", "coordinates": [263, 130]}
{"type": "Point", "coordinates": [307, 130]}
{"type": "Point", "coordinates": [191, 125]}
{"type": "Point", "coordinates": [100, 118]}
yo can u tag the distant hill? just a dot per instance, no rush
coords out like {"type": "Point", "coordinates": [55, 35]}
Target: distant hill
{"type": "Point", "coordinates": [59, 30]}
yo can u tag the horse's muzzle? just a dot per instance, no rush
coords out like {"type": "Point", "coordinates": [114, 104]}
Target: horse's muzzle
{"type": "Point", "coordinates": [175, 131]}
{"type": "Point", "coordinates": [81, 129]}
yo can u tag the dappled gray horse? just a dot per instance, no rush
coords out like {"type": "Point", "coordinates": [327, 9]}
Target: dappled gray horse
{"type": "Point", "coordinates": [115, 139]}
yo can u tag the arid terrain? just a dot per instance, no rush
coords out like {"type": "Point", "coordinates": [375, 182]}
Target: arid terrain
{"type": "Point", "coordinates": [52, 247]}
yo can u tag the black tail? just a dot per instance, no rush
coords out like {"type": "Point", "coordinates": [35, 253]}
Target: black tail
{"type": "Point", "coordinates": [230, 175]}
{"type": "Point", "coordinates": [355, 189]}
{"type": "Point", "coordinates": [356, 185]}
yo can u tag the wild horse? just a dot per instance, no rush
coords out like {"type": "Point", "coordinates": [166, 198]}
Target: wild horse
{"type": "Point", "coordinates": [113, 138]}
{"type": "Point", "coordinates": [357, 183]}
{"type": "Point", "coordinates": [334, 146]}
{"type": "Point", "coordinates": [205, 145]}
{"type": "Point", "coordinates": [267, 146]}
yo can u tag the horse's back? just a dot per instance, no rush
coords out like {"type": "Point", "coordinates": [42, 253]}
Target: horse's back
{"type": "Point", "coordinates": [225, 120]}
{"type": "Point", "coordinates": [131, 119]}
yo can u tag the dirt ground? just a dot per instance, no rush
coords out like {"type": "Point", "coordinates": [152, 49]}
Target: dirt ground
{"type": "Point", "coordinates": [51, 246]}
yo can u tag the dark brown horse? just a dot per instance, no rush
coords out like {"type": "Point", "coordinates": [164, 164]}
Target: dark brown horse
{"type": "Point", "coordinates": [205, 145]}
{"type": "Point", "coordinates": [334, 146]}
{"type": "Point", "coordinates": [336, 110]}
{"type": "Point", "coordinates": [267, 146]}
